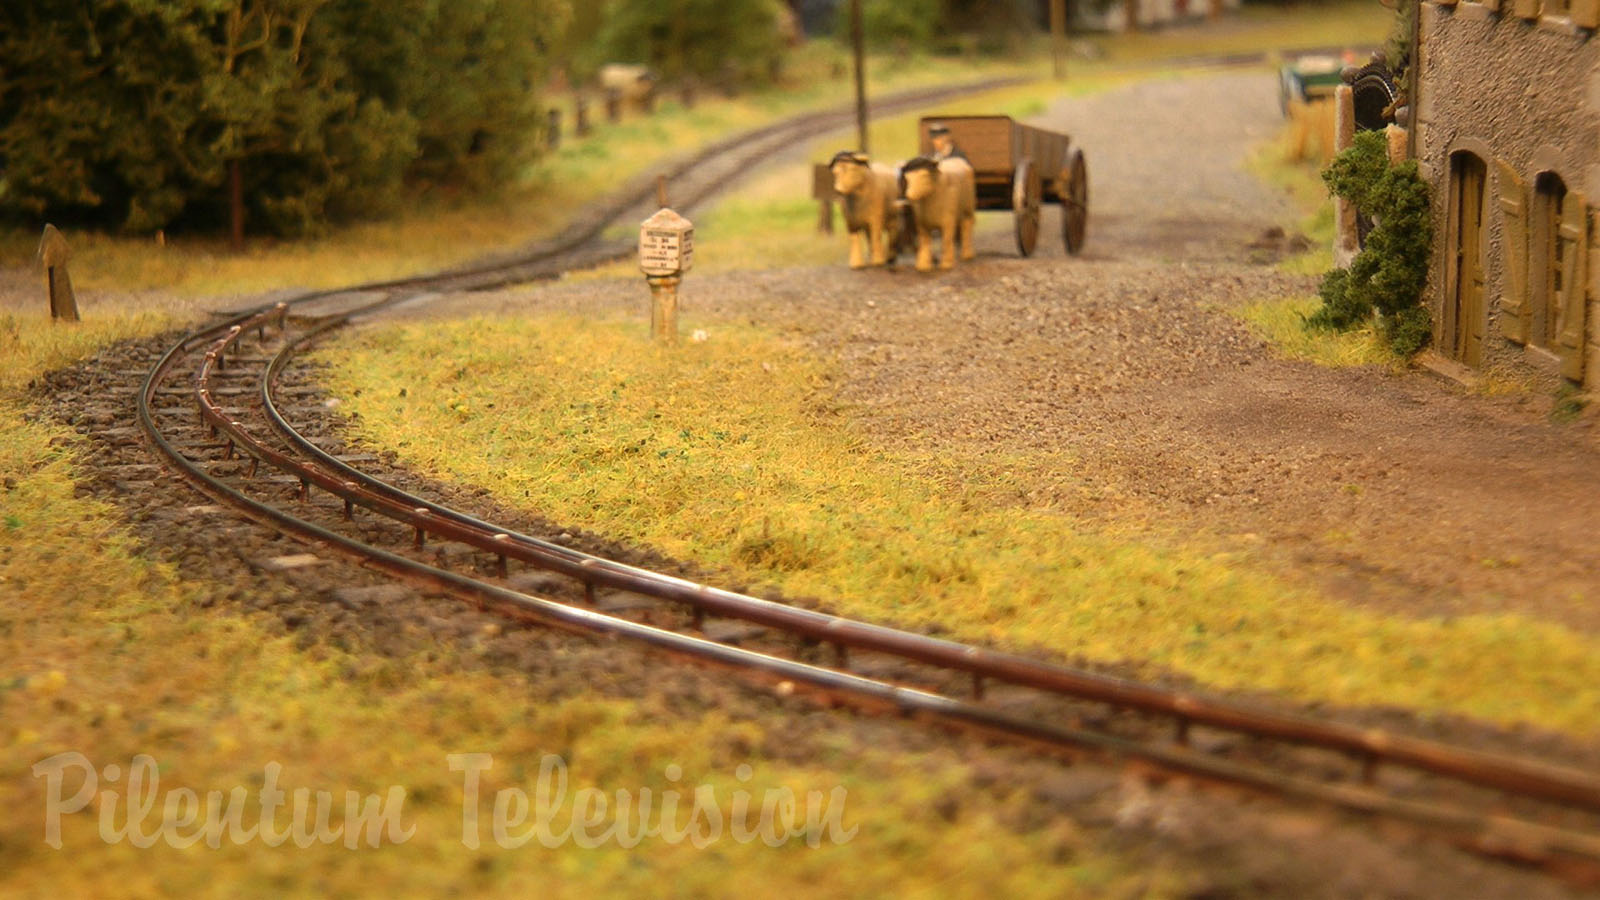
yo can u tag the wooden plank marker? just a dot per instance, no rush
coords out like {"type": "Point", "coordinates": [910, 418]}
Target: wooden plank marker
{"type": "Point", "coordinates": [666, 251]}
{"type": "Point", "coordinates": [580, 116]}
{"type": "Point", "coordinates": [822, 191]}
{"type": "Point", "coordinates": [53, 253]}
{"type": "Point", "coordinates": [553, 128]}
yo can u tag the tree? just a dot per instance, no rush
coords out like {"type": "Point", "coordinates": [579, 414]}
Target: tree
{"type": "Point", "coordinates": [939, 24]}
{"type": "Point", "coordinates": [724, 40]}
{"type": "Point", "coordinates": [894, 24]}
{"type": "Point", "coordinates": [143, 114]}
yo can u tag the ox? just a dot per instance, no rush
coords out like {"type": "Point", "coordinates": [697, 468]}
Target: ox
{"type": "Point", "coordinates": [943, 195]}
{"type": "Point", "coordinates": [868, 192]}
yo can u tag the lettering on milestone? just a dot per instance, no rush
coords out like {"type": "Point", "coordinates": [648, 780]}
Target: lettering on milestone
{"type": "Point", "coordinates": [666, 244]}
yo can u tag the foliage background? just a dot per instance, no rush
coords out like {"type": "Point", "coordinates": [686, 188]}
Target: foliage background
{"type": "Point", "coordinates": [127, 114]}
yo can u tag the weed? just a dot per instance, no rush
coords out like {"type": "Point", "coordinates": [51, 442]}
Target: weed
{"type": "Point", "coordinates": [1283, 324]}
{"type": "Point", "coordinates": [1569, 403]}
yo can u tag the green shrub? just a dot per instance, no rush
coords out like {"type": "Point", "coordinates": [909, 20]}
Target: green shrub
{"type": "Point", "coordinates": [731, 41]}
{"type": "Point", "coordinates": [898, 25]}
{"type": "Point", "coordinates": [1387, 277]}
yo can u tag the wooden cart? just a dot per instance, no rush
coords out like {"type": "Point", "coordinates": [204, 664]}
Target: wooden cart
{"type": "Point", "coordinates": [1020, 168]}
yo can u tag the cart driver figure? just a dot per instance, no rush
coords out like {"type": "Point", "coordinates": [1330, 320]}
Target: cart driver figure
{"type": "Point", "coordinates": [944, 146]}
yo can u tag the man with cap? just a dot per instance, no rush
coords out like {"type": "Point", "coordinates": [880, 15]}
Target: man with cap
{"type": "Point", "coordinates": [944, 146]}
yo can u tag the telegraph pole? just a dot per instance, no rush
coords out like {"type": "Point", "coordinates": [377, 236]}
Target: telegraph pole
{"type": "Point", "coordinates": [1058, 37]}
{"type": "Point", "coordinates": [857, 41]}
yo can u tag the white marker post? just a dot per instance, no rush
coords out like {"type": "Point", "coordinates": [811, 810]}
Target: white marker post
{"type": "Point", "coordinates": [666, 251]}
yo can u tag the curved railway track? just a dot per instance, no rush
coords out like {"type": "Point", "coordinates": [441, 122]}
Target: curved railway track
{"type": "Point", "coordinates": [213, 407]}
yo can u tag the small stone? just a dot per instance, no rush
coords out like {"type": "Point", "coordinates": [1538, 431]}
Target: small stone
{"type": "Point", "coordinates": [290, 562]}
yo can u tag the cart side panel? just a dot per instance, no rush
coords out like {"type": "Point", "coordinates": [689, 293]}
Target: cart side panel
{"type": "Point", "coordinates": [986, 141]}
{"type": "Point", "coordinates": [1049, 154]}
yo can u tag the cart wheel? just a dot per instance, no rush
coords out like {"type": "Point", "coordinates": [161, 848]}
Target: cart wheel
{"type": "Point", "coordinates": [1027, 192]}
{"type": "Point", "coordinates": [1075, 203]}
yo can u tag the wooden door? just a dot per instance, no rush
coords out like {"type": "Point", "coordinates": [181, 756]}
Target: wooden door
{"type": "Point", "coordinates": [1461, 332]}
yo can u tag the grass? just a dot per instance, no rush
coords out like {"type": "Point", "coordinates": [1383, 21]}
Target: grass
{"type": "Point", "coordinates": [1256, 27]}
{"type": "Point", "coordinates": [109, 653]}
{"type": "Point", "coordinates": [106, 652]}
{"type": "Point", "coordinates": [732, 453]}
{"type": "Point", "coordinates": [1292, 162]}
{"type": "Point", "coordinates": [1283, 324]}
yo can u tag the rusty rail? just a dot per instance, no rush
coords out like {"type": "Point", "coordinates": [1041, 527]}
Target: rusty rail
{"type": "Point", "coordinates": [326, 473]}
{"type": "Point", "coordinates": [1490, 834]}
{"type": "Point", "coordinates": [1514, 775]}
{"type": "Point", "coordinates": [1562, 785]}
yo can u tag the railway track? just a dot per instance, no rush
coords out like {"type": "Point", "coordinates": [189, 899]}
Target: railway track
{"type": "Point", "coordinates": [217, 409]}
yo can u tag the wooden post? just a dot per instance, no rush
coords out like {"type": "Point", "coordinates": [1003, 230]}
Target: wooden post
{"type": "Point", "coordinates": [1346, 240]}
{"type": "Point", "coordinates": [553, 129]}
{"type": "Point", "coordinates": [580, 116]}
{"type": "Point", "coordinates": [1131, 9]}
{"type": "Point", "coordinates": [822, 192]}
{"type": "Point", "coordinates": [664, 308]}
{"type": "Point", "coordinates": [858, 45]}
{"type": "Point", "coordinates": [613, 105]}
{"type": "Point", "coordinates": [661, 191]}
{"type": "Point", "coordinates": [53, 253]}
{"type": "Point", "coordinates": [1058, 38]}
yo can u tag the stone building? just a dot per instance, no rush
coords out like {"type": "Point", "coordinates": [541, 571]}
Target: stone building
{"type": "Point", "coordinates": [1508, 137]}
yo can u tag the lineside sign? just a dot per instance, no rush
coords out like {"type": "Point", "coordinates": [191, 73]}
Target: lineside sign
{"type": "Point", "coordinates": [666, 244]}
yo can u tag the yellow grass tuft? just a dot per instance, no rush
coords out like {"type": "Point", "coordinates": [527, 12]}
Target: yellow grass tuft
{"type": "Point", "coordinates": [107, 653]}
{"type": "Point", "coordinates": [724, 453]}
{"type": "Point", "coordinates": [1282, 323]}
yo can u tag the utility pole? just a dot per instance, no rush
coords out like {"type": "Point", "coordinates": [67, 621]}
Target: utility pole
{"type": "Point", "coordinates": [857, 41]}
{"type": "Point", "coordinates": [1058, 37]}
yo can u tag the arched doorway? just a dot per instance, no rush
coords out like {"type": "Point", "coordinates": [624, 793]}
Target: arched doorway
{"type": "Point", "coordinates": [1547, 258]}
{"type": "Point", "coordinates": [1461, 326]}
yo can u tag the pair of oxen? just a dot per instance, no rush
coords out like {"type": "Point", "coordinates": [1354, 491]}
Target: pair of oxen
{"type": "Point", "coordinates": [941, 196]}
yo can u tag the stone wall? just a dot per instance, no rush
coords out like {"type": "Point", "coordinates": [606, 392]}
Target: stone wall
{"type": "Point", "coordinates": [1525, 93]}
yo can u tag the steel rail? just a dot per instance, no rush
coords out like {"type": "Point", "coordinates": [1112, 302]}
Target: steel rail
{"type": "Point", "coordinates": [1510, 774]}
{"type": "Point", "coordinates": [1486, 834]}
{"type": "Point", "coordinates": [1564, 785]}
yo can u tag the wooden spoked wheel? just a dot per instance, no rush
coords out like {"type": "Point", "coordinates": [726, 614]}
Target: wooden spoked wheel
{"type": "Point", "coordinates": [1075, 203]}
{"type": "Point", "coordinates": [1027, 194]}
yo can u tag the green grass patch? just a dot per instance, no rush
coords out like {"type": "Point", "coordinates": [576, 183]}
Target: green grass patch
{"type": "Point", "coordinates": [1283, 324]}
{"type": "Point", "coordinates": [1264, 26]}
{"type": "Point", "coordinates": [733, 453]}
